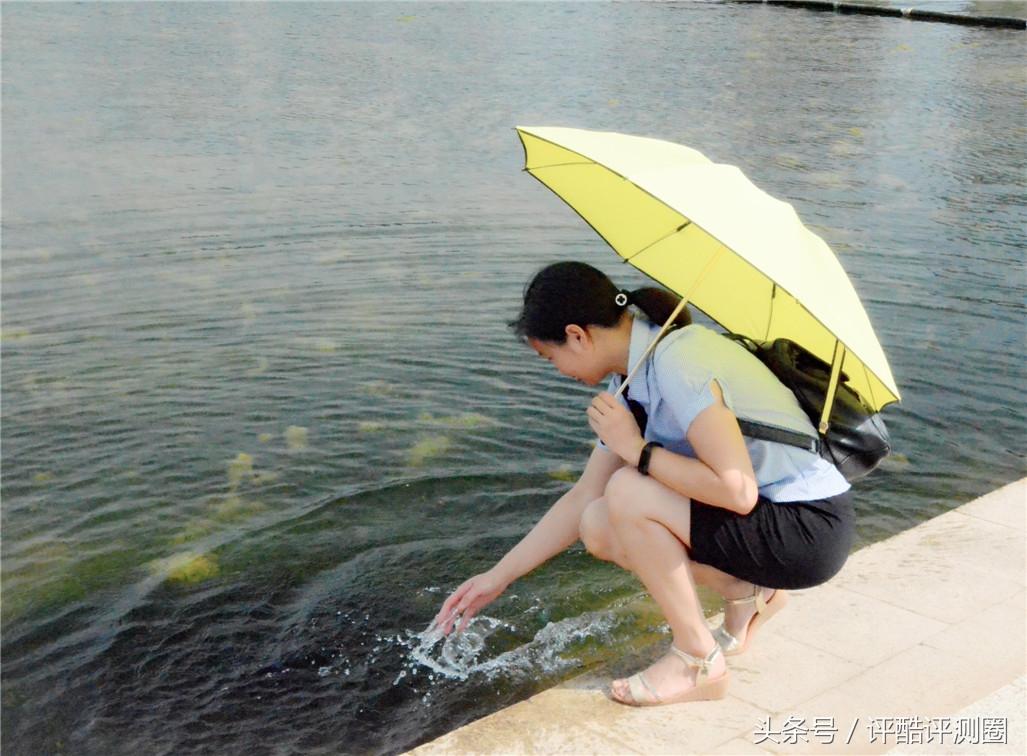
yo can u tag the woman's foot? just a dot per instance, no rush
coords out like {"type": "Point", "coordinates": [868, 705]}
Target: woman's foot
{"type": "Point", "coordinates": [744, 615]}
{"type": "Point", "coordinates": [737, 615]}
{"type": "Point", "coordinates": [675, 678]}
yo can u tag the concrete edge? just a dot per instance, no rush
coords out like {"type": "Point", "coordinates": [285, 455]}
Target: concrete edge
{"type": "Point", "coordinates": [913, 14]}
{"type": "Point", "coordinates": [598, 726]}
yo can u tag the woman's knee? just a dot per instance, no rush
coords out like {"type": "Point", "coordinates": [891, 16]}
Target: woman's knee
{"type": "Point", "coordinates": [622, 494]}
{"type": "Point", "coordinates": [594, 530]}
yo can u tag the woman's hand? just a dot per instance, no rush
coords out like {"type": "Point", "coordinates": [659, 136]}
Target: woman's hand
{"type": "Point", "coordinates": [616, 426]}
{"type": "Point", "coordinates": [474, 595]}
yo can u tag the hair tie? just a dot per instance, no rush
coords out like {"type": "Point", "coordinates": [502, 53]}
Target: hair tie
{"type": "Point", "coordinates": [622, 298]}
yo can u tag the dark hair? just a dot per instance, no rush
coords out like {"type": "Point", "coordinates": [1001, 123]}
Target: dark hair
{"type": "Point", "coordinates": [573, 292]}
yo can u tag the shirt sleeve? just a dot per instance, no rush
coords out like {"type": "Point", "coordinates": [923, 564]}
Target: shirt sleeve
{"type": "Point", "coordinates": [685, 392]}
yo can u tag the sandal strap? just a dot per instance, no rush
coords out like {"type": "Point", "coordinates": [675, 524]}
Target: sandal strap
{"type": "Point", "coordinates": [645, 683]}
{"type": "Point", "coordinates": [757, 597]}
{"type": "Point", "coordinates": [639, 688]}
{"type": "Point", "coordinates": [724, 639]}
{"type": "Point", "coordinates": [701, 664]}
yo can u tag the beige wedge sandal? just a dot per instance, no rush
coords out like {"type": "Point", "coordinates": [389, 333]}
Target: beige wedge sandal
{"type": "Point", "coordinates": [764, 611]}
{"type": "Point", "coordinates": [705, 689]}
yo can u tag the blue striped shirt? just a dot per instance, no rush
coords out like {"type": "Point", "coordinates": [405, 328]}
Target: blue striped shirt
{"type": "Point", "coordinates": [674, 387]}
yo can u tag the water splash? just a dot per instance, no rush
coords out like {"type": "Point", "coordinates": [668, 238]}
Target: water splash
{"type": "Point", "coordinates": [460, 656]}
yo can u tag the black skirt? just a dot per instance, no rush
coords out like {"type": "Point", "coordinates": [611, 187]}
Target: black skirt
{"type": "Point", "coordinates": [788, 545]}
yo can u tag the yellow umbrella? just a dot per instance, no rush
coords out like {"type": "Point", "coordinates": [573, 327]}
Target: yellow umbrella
{"type": "Point", "coordinates": [707, 233]}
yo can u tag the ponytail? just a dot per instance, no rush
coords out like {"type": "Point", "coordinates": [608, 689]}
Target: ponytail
{"type": "Point", "coordinates": [658, 305]}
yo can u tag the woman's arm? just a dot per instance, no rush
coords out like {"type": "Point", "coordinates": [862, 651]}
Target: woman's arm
{"type": "Point", "coordinates": [722, 476]}
{"type": "Point", "coordinates": [557, 530]}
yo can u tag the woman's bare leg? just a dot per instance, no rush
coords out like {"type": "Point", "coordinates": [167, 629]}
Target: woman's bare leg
{"type": "Point", "coordinates": [599, 537]}
{"type": "Point", "coordinates": [601, 542]}
{"type": "Point", "coordinates": [736, 616]}
{"type": "Point", "coordinates": [651, 525]}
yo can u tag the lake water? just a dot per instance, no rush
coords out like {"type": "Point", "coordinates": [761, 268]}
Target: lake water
{"type": "Point", "coordinates": [260, 409]}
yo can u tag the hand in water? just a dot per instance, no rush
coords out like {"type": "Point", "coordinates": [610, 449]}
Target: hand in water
{"type": "Point", "coordinates": [466, 601]}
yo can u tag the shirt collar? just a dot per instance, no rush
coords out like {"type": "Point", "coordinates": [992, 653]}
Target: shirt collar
{"type": "Point", "coordinates": [642, 333]}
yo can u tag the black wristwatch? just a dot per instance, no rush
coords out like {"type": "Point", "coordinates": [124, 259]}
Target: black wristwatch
{"type": "Point", "coordinates": [647, 452]}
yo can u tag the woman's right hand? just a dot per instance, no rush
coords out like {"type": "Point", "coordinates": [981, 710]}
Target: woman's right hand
{"type": "Point", "coordinates": [466, 601]}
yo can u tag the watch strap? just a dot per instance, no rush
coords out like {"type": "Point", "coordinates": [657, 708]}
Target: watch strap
{"type": "Point", "coordinates": [647, 452]}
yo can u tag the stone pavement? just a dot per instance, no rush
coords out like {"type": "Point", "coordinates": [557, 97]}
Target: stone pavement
{"type": "Point", "coordinates": [928, 625]}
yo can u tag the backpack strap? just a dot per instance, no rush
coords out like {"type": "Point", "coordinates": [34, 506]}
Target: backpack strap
{"type": "Point", "coordinates": [641, 416]}
{"type": "Point", "coordinates": [765, 432]}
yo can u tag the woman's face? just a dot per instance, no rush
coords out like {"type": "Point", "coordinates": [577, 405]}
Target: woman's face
{"type": "Point", "coordinates": [576, 358]}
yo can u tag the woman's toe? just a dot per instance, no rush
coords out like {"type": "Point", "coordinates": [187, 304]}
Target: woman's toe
{"type": "Point", "coordinates": [619, 688]}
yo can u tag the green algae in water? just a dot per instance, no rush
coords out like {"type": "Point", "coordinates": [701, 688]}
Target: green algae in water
{"type": "Point", "coordinates": [53, 579]}
{"type": "Point", "coordinates": [49, 593]}
{"type": "Point", "coordinates": [262, 365]}
{"type": "Point", "coordinates": [193, 531]}
{"type": "Point", "coordinates": [187, 568]}
{"type": "Point", "coordinates": [18, 334]}
{"type": "Point", "coordinates": [220, 511]}
{"type": "Point", "coordinates": [236, 509]}
{"type": "Point", "coordinates": [427, 449]}
{"type": "Point", "coordinates": [42, 477]}
{"type": "Point", "coordinates": [565, 473]}
{"type": "Point", "coordinates": [377, 388]}
{"type": "Point", "coordinates": [466, 420]}
{"type": "Point", "coordinates": [265, 437]}
{"type": "Point", "coordinates": [370, 426]}
{"type": "Point", "coordinates": [296, 437]}
{"type": "Point", "coordinates": [239, 468]}
{"type": "Point", "coordinates": [320, 345]}
{"type": "Point", "coordinates": [896, 462]}
{"type": "Point", "coordinates": [131, 474]}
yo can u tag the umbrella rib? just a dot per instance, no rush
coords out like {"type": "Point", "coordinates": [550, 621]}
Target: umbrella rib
{"type": "Point", "coordinates": [870, 384]}
{"type": "Point", "coordinates": [770, 315]}
{"type": "Point", "coordinates": [561, 165]}
{"type": "Point", "coordinates": [633, 255]}
{"type": "Point", "coordinates": [530, 172]}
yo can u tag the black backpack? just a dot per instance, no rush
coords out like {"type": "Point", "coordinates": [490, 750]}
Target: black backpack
{"type": "Point", "coordinates": [856, 440]}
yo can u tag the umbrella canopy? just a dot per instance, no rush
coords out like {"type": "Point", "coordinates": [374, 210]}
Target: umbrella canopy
{"type": "Point", "coordinates": [707, 233]}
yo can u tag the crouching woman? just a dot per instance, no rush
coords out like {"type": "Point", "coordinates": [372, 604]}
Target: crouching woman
{"type": "Point", "coordinates": [673, 491]}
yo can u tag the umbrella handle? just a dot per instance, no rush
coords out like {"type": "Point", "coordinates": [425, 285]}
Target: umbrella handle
{"type": "Point", "coordinates": [832, 386]}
